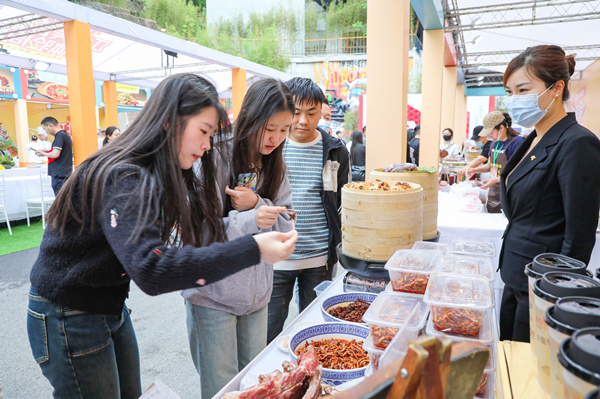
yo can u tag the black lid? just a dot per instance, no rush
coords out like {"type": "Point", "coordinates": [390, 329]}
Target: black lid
{"type": "Point", "coordinates": [572, 313]}
{"type": "Point", "coordinates": [549, 262]}
{"type": "Point", "coordinates": [595, 394]}
{"type": "Point", "coordinates": [562, 284]}
{"type": "Point", "coordinates": [582, 354]}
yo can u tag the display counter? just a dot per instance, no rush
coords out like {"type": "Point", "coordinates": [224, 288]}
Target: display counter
{"type": "Point", "coordinates": [20, 184]}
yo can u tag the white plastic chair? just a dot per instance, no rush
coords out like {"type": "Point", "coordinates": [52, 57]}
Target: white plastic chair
{"type": "Point", "coordinates": [43, 202]}
{"type": "Point", "coordinates": [3, 201]}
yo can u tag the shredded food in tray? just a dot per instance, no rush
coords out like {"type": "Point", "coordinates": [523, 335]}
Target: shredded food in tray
{"type": "Point", "coordinates": [354, 311]}
{"type": "Point", "coordinates": [379, 185]}
{"type": "Point", "coordinates": [482, 384]}
{"type": "Point", "coordinates": [339, 354]}
{"type": "Point", "coordinates": [456, 321]}
{"type": "Point", "coordinates": [382, 336]}
{"type": "Point", "coordinates": [410, 282]}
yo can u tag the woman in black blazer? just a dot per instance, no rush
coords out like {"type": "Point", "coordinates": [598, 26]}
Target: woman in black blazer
{"type": "Point", "coordinates": [550, 188]}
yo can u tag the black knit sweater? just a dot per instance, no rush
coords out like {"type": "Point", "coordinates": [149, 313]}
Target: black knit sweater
{"type": "Point", "coordinates": [91, 271]}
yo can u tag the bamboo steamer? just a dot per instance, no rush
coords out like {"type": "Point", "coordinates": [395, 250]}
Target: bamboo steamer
{"type": "Point", "coordinates": [429, 183]}
{"type": "Point", "coordinates": [375, 224]}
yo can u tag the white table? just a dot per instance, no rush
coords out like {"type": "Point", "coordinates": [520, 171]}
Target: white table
{"type": "Point", "coordinates": [451, 224]}
{"type": "Point", "coordinates": [271, 357]}
{"type": "Point", "coordinates": [20, 184]}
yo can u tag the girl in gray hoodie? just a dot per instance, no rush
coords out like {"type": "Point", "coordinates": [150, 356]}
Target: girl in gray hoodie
{"type": "Point", "coordinates": [227, 321]}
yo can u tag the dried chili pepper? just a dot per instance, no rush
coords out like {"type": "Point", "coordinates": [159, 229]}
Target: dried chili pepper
{"type": "Point", "coordinates": [411, 282]}
{"type": "Point", "coordinates": [352, 312]}
{"type": "Point", "coordinates": [456, 321]}
{"type": "Point", "coordinates": [382, 336]}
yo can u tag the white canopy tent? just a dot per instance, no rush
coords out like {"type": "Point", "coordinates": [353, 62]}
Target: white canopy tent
{"type": "Point", "coordinates": [122, 51]}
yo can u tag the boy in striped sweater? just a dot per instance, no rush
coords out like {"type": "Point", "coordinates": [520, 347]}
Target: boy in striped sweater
{"type": "Point", "coordinates": [318, 168]}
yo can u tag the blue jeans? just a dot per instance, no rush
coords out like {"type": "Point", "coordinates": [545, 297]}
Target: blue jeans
{"type": "Point", "coordinates": [283, 291]}
{"type": "Point", "coordinates": [57, 183]}
{"type": "Point", "coordinates": [222, 343]}
{"type": "Point", "coordinates": [84, 355]}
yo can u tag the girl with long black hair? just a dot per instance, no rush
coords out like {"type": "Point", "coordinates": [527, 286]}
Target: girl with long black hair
{"type": "Point", "coordinates": [227, 321]}
{"type": "Point", "coordinates": [109, 225]}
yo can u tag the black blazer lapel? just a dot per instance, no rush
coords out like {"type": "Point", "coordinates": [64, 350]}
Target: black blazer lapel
{"type": "Point", "coordinates": [538, 154]}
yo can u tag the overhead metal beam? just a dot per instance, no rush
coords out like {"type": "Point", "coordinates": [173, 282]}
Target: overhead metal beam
{"type": "Point", "coordinates": [429, 12]}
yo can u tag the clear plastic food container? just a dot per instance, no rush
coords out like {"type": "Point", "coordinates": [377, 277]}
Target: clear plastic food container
{"type": "Point", "coordinates": [431, 246]}
{"type": "Point", "coordinates": [473, 248]}
{"type": "Point", "coordinates": [389, 312]}
{"type": "Point", "coordinates": [374, 352]}
{"type": "Point", "coordinates": [458, 303]}
{"type": "Point", "coordinates": [487, 336]}
{"type": "Point", "coordinates": [471, 265]}
{"type": "Point", "coordinates": [410, 269]}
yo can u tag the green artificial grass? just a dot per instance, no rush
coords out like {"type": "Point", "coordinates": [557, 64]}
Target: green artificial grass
{"type": "Point", "coordinates": [22, 238]}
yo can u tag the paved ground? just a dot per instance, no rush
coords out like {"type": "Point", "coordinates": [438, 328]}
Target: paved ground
{"type": "Point", "coordinates": [159, 323]}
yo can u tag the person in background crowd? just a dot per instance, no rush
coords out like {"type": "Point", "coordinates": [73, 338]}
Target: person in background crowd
{"type": "Point", "coordinates": [550, 188]}
{"type": "Point", "coordinates": [325, 121]}
{"type": "Point", "coordinates": [318, 167]}
{"type": "Point", "coordinates": [358, 157]}
{"type": "Point", "coordinates": [506, 141]}
{"type": "Point", "coordinates": [101, 133]}
{"type": "Point", "coordinates": [111, 134]}
{"type": "Point", "coordinates": [32, 147]}
{"type": "Point", "coordinates": [340, 135]}
{"type": "Point", "coordinates": [43, 140]}
{"type": "Point", "coordinates": [364, 132]}
{"type": "Point", "coordinates": [227, 321]}
{"type": "Point", "coordinates": [449, 150]}
{"type": "Point", "coordinates": [134, 211]}
{"type": "Point", "coordinates": [60, 157]}
{"type": "Point", "coordinates": [484, 145]}
{"type": "Point", "coordinates": [415, 144]}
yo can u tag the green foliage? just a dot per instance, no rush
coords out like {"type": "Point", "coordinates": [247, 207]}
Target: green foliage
{"type": "Point", "coordinates": [178, 17]}
{"type": "Point", "coordinates": [6, 160]}
{"type": "Point", "coordinates": [351, 120]}
{"type": "Point", "coordinates": [349, 18]}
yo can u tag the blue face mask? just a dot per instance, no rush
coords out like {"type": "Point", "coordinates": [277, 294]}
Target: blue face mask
{"type": "Point", "coordinates": [524, 109]}
{"type": "Point", "coordinates": [479, 144]}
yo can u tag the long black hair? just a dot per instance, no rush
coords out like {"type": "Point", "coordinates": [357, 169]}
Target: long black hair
{"type": "Point", "coordinates": [264, 99]}
{"type": "Point", "coordinates": [357, 138]}
{"type": "Point", "coordinates": [152, 142]}
{"type": "Point", "coordinates": [108, 133]}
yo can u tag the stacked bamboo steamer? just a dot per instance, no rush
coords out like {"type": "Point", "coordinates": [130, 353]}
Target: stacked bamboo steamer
{"type": "Point", "coordinates": [429, 183]}
{"type": "Point", "coordinates": [375, 224]}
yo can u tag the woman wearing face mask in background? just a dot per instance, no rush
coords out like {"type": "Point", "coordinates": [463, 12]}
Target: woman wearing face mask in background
{"type": "Point", "coordinates": [550, 188]}
{"type": "Point", "coordinates": [325, 121]}
{"type": "Point", "coordinates": [506, 140]}
{"type": "Point", "coordinates": [483, 144]}
{"type": "Point", "coordinates": [449, 150]}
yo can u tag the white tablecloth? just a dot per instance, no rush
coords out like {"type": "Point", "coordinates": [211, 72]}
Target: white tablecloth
{"type": "Point", "coordinates": [20, 184]}
{"type": "Point", "coordinates": [452, 223]}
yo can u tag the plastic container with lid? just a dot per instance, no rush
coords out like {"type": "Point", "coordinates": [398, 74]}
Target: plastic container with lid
{"type": "Point", "coordinates": [564, 318]}
{"type": "Point", "coordinates": [487, 385]}
{"type": "Point", "coordinates": [544, 263]}
{"type": "Point", "coordinates": [471, 265]}
{"type": "Point", "coordinates": [389, 312]}
{"type": "Point", "coordinates": [374, 353]}
{"type": "Point", "coordinates": [431, 246]}
{"type": "Point", "coordinates": [580, 357]}
{"type": "Point", "coordinates": [410, 269]}
{"type": "Point", "coordinates": [473, 248]}
{"type": "Point", "coordinates": [547, 290]}
{"type": "Point", "coordinates": [397, 349]}
{"type": "Point", "coordinates": [486, 336]}
{"type": "Point", "coordinates": [458, 303]}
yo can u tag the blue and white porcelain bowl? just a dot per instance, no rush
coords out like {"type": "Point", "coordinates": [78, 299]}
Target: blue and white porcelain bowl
{"type": "Point", "coordinates": [348, 331]}
{"type": "Point", "coordinates": [345, 298]}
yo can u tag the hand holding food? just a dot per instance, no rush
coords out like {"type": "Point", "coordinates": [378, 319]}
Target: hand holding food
{"type": "Point", "coordinates": [266, 216]}
{"type": "Point", "coordinates": [464, 171]}
{"type": "Point", "coordinates": [275, 246]}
